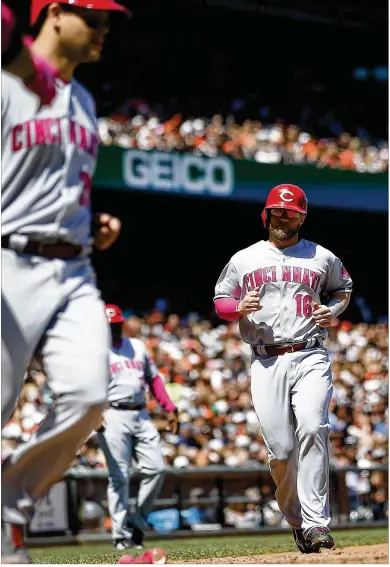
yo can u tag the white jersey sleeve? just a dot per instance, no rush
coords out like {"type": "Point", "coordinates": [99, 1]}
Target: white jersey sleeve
{"type": "Point", "coordinates": [339, 279]}
{"type": "Point", "coordinates": [151, 369]}
{"type": "Point", "coordinates": [228, 284]}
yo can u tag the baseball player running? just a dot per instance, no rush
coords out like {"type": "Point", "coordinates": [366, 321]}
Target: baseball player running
{"type": "Point", "coordinates": [49, 297]}
{"type": "Point", "coordinates": [128, 433]}
{"type": "Point", "coordinates": [274, 289]}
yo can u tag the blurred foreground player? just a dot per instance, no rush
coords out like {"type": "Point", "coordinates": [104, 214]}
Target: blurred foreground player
{"type": "Point", "coordinates": [50, 302]}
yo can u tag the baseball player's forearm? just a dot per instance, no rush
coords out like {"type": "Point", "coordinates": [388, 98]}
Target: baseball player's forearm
{"type": "Point", "coordinates": [226, 308]}
{"type": "Point", "coordinates": [159, 392]}
{"type": "Point", "coordinates": [338, 303]}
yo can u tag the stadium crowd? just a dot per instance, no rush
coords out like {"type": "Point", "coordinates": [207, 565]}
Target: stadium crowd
{"type": "Point", "coordinates": [205, 368]}
{"type": "Point", "coordinates": [136, 125]}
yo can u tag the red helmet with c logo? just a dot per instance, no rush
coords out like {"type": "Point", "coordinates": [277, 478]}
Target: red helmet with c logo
{"type": "Point", "coordinates": [285, 196]}
{"type": "Point", "coordinates": [114, 314]}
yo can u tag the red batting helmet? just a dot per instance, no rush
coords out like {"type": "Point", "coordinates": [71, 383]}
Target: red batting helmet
{"type": "Point", "coordinates": [285, 196]}
{"type": "Point", "coordinates": [38, 5]}
{"type": "Point", "coordinates": [114, 314]}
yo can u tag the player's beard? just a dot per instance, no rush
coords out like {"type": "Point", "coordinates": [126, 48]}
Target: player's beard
{"type": "Point", "coordinates": [281, 234]}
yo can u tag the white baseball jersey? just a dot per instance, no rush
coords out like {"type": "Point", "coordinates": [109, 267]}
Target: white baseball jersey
{"type": "Point", "coordinates": [290, 280]}
{"type": "Point", "coordinates": [48, 159]}
{"type": "Point", "coordinates": [130, 368]}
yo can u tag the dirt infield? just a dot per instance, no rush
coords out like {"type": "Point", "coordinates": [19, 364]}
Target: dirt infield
{"type": "Point", "coordinates": [359, 554]}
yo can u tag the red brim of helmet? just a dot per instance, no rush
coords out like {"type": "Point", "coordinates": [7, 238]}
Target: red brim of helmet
{"type": "Point", "coordinates": [288, 207]}
{"type": "Point", "coordinates": [109, 5]}
{"type": "Point", "coordinates": [112, 6]}
{"type": "Point", "coordinates": [117, 319]}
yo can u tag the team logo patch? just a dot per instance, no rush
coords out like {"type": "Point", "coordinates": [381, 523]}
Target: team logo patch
{"type": "Point", "coordinates": [285, 192]}
{"type": "Point", "coordinates": [344, 273]}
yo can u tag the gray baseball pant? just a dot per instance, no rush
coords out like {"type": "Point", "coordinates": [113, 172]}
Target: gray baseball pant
{"type": "Point", "coordinates": [54, 304]}
{"type": "Point", "coordinates": [291, 395]}
{"type": "Point", "coordinates": [127, 435]}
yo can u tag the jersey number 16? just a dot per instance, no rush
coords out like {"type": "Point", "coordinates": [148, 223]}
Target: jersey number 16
{"type": "Point", "coordinates": [304, 305]}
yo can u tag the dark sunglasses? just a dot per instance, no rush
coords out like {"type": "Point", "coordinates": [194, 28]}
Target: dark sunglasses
{"type": "Point", "coordinates": [95, 19]}
{"type": "Point", "coordinates": [290, 214]}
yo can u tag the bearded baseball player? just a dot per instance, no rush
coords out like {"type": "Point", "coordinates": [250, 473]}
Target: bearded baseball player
{"type": "Point", "coordinates": [128, 433]}
{"type": "Point", "coordinates": [50, 303]}
{"type": "Point", "coordinates": [274, 289]}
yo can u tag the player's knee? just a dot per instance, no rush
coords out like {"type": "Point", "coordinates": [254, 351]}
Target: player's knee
{"type": "Point", "coordinates": [92, 390]}
{"type": "Point", "coordinates": [86, 379]}
{"type": "Point", "coordinates": [118, 479]}
{"type": "Point", "coordinates": [308, 428]}
{"type": "Point", "coordinates": [159, 471]}
{"type": "Point", "coordinates": [281, 451]}
{"type": "Point", "coordinates": [77, 413]}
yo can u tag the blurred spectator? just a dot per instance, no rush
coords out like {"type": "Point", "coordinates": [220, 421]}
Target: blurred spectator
{"type": "Point", "coordinates": [206, 372]}
{"type": "Point", "coordinates": [264, 142]}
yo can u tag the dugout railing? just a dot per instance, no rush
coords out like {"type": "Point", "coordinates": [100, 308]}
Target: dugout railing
{"type": "Point", "coordinates": [360, 499]}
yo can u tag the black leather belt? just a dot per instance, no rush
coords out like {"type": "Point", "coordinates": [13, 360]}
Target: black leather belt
{"type": "Point", "coordinates": [51, 250]}
{"type": "Point", "coordinates": [127, 406]}
{"type": "Point", "coordinates": [271, 350]}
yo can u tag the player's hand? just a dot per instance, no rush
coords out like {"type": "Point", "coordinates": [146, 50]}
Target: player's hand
{"type": "Point", "coordinates": [107, 230]}
{"type": "Point", "coordinates": [173, 421]}
{"type": "Point", "coordinates": [250, 303]}
{"type": "Point", "coordinates": [322, 315]}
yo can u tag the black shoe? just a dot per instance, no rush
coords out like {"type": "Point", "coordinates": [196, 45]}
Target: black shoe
{"type": "Point", "coordinates": [137, 538]}
{"type": "Point", "coordinates": [300, 541]}
{"type": "Point", "coordinates": [319, 537]}
{"type": "Point", "coordinates": [121, 544]}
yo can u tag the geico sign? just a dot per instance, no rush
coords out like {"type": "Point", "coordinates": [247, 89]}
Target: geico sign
{"type": "Point", "coordinates": [178, 172]}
